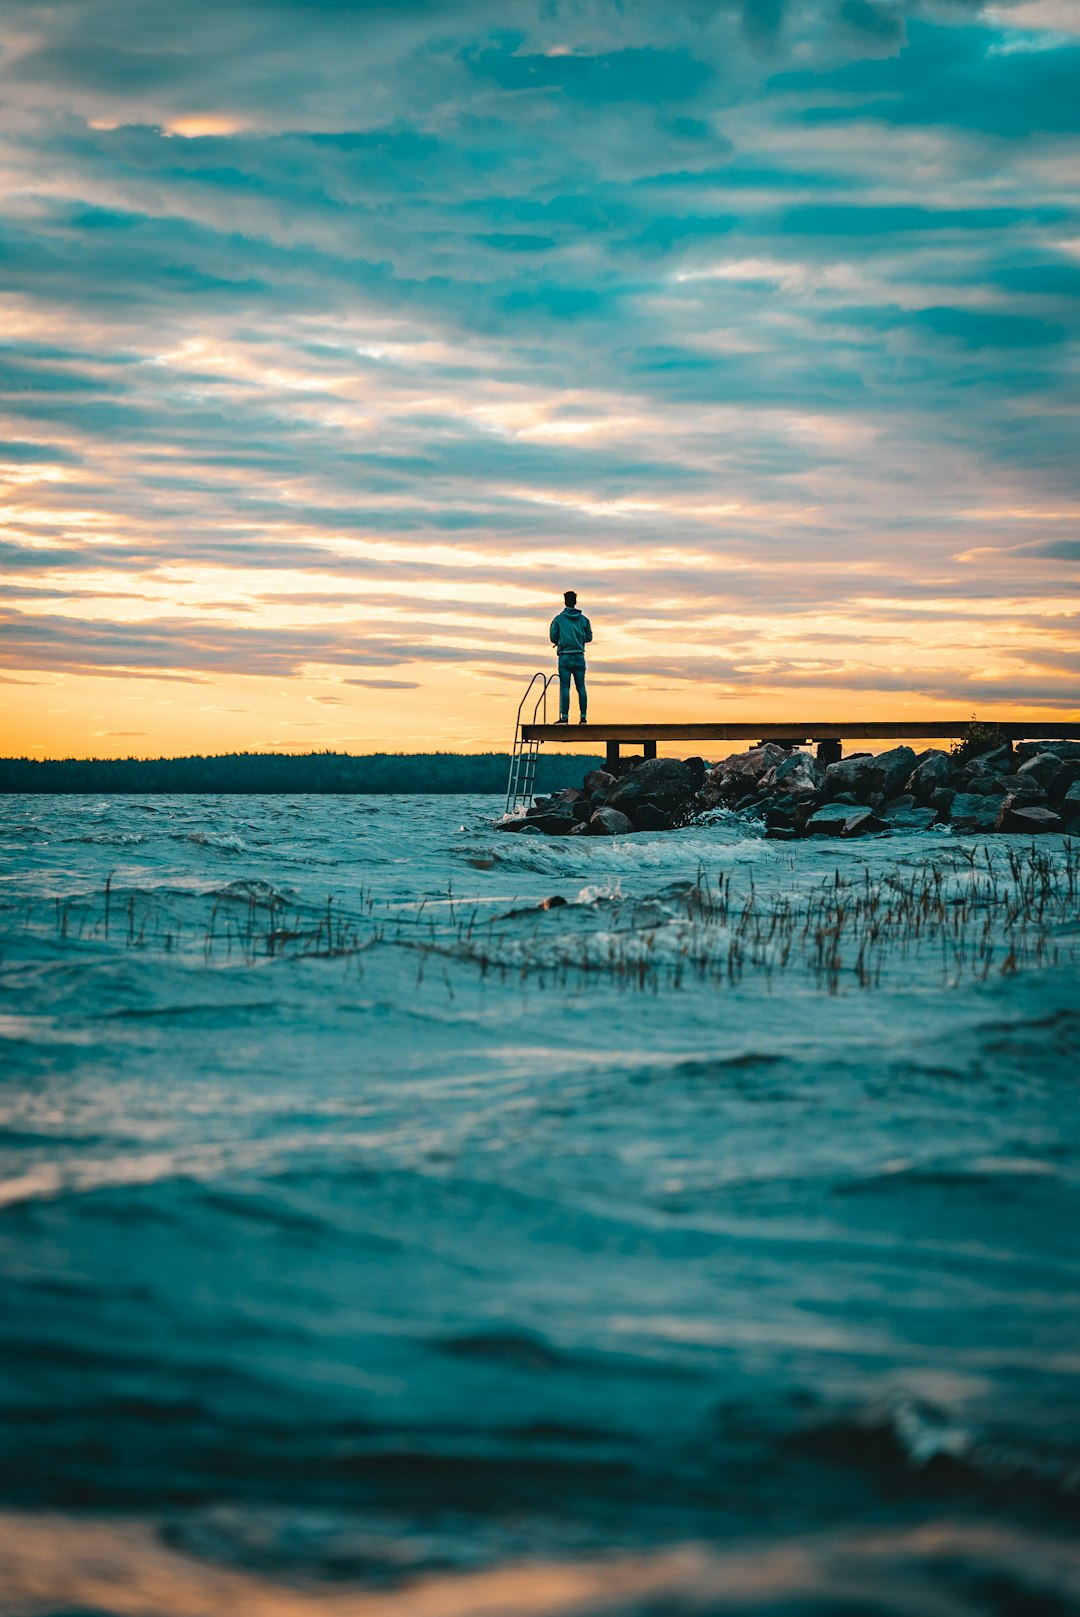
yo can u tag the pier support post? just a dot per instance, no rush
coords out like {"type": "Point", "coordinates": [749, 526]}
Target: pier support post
{"type": "Point", "coordinates": [829, 752]}
{"type": "Point", "coordinates": [648, 749]}
{"type": "Point", "coordinates": [613, 757]}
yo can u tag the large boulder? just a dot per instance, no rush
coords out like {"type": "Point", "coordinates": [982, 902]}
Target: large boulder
{"type": "Point", "coordinates": [1044, 768]}
{"type": "Point", "coordinates": [609, 822]}
{"type": "Point", "coordinates": [665, 784]}
{"type": "Point", "coordinates": [734, 776]}
{"type": "Point", "coordinates": [598, 780]}
{"type": "Point", "coordinates": [990, 785]}
{"type": "Point", "coordinates": [1069, 807]}
{"type": "Point", "coordinates": [553, 825]}
{"type": "Point", "coordinates": [972, 812]}
{"type": "Point", "coordinates": [798, 775]}
{"type": "Point", "coordinates": [993, 760]}
{"type": "Point", "coordinates": [830, 819]}
{"type": "Point", "coordinates": [864, 822]}
{"type": "Point", "coordinates": [1064, 783]}
{"type": "Point", "coordinates": [1025, 817]}
{"type": "Point", "coordinates": [647, 817]}
{"type": "Point", "coordinates": [904, 815]}
{"type": "Point", "coordinates": [933, 771]}
{"type": "Point", "coordinates": [1060, 749]}
{"type": "Point", "coordinates": [867, 774]}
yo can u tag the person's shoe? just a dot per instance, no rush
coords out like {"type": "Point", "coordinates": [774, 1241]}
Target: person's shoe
{"type": "Point", "coordinates": [583, 719]}
{"type": "Point", "coordinates": [562, 721]}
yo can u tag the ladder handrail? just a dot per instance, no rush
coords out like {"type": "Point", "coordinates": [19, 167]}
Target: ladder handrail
{"type": "Point", "coordinates": [523, 756]}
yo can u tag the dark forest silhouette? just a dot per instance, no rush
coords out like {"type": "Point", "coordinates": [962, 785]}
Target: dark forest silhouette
{"type": "Point", "coordinates": [322, 772]}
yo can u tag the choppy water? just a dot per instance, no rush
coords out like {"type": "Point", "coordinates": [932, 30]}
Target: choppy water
{"type": "Point", "coordinates": [429, 1251]}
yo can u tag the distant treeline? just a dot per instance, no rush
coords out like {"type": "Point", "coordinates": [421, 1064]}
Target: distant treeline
{"type": "Point", "coordinates": [277, 772]}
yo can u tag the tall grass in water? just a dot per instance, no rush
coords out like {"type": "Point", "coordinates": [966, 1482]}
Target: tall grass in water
{"type": "Point", "coordinates": [968, 914]}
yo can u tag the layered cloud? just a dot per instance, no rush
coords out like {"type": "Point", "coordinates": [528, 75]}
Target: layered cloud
{"type": "Point", "coordinates": [339, 339]}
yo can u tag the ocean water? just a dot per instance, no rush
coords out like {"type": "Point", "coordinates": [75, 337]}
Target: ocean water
{"type": "Point", "coordinates": [376, 1240]}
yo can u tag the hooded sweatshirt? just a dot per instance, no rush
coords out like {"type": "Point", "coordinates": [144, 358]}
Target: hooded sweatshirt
{"type": "Point", "coordinates": [571, 632]}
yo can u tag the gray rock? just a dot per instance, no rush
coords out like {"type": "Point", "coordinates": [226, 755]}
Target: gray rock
{"type": "Point", "coordinates": [666, 783]}
{"type": "Point", "coordinates": [581, 829]}
{"type": "Point", "coordinates": [933, 772]}
{"type": "Point", "coordinates": [971, 812]}
{"type": "Point", "coordinates": [799, 774]}
{"type": "Point", "coordinates": [830, 819]}
{"type": "Point", "coordinates": [990, 786]}
{"type": "Point", "coordinates": [648, 817]}
{"type": "Point", "coordinates": [866, 774]}
{"type": "Point", "coordinates": [598, 780]}
{"type": "Point", "coordinates": [862, 823]}
{"type": "Point", "coordinates": [1035, 818]}
{"type": "Point", "coordinates": [1070, 803]}
{"type": "Point", "coordinates": [909, 817]}
{"type": "Point", "coordinates": [1060, 749]}
{"type": "Point", "coordinates": [1065, 781]}
{"type": "Point", "coordinates": [995, 760]}
{"type": "Point", "coordinates": [609, 822]}
{"type": "Point", "coordinates": [553, 825]}
{"type": "Point", "coordinates": [942, 800]}
{"type": "Point", "coordinates": [1044, 769]}
{"type": "Point", "coordinates": [733, 776]}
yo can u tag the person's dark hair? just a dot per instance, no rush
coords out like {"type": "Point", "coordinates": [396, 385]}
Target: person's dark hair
{"type": "Point", "coordinates": [570, 597]}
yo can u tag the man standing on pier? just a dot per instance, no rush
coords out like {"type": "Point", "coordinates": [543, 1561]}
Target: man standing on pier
{"type": "Point", "coordinates": [571, 632]}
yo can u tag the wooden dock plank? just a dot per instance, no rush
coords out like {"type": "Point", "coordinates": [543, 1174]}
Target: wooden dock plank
{"type": "Point", "coordinates": [640, 733]}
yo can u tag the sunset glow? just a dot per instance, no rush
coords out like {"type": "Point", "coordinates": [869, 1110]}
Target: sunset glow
{"type": "Point", "coordinates": [335, 348]}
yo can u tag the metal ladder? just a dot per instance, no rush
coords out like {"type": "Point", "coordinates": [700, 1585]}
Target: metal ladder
{"type": "Point", "coordinates": [519, 786]}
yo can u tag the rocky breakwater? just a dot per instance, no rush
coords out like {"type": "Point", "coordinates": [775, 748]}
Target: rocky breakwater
{"type": "Point", "coordinates": [1034, 787]}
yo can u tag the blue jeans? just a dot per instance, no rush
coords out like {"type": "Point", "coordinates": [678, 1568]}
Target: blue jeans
{"type": "Point", "coordinates": [572, 664]}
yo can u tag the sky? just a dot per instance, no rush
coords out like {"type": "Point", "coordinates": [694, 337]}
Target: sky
{"type": "Point", "coordinates": [338, 338]}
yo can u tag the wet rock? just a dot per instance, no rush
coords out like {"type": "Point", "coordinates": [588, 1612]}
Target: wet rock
{"type": "Point", "coordinates": [581, 829]}
{"type": "Point", "coordinates": [942, 800]}
{"type": "Point", "coordinates": [648, 817]}
{"type": "Point", "coordinates": [598, 780]}
{"type": "Point", "coordinates": [555, 902]}
{"type": "Point", "coordinates": [863, 823]}
{"type": "Point", "coordinates": [829, 820]}
{"type": "Point", "coordinates": [584, 807]}
{"type": "Point", "coordinates": [971, 812]}
{"type": "Point", "coordinates": [780, 816]}
{"type": "Point", "coordinates": [934, 771]}
{"type": "Point", "coordinates": [667, 784]}
{"type": "Point", "coordinates": [552, 825]}
{"type": "Point", "coordinates": [609, 822]}
{"type": "Point", "coordinates": [903, 816]}
{"type": "Point", "coordinates": [1034, 818]}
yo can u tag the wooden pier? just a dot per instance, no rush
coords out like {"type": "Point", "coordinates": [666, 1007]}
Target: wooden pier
{"type": "Point", "coordinates": [828, 738]}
